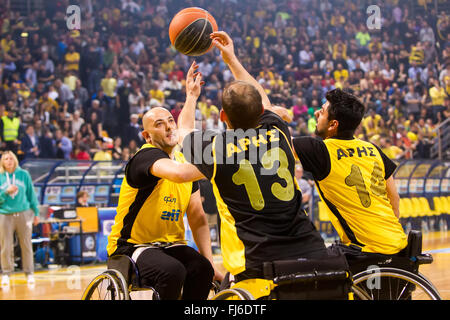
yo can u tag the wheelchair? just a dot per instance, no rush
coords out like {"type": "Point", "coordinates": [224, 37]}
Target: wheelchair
{"type": "Point", "coordinates": [394, 277]}
{"type": "Point", "coordinates": [301, 279]}
{"type": "Point", "coordinates": [121, 281]}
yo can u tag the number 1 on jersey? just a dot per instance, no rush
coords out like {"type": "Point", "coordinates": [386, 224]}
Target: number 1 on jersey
{"type": "Point", "coordinates": [246, 176]}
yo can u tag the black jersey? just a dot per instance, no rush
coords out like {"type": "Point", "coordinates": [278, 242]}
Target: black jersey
{"type": "Point", "coordinates": [258, 197]}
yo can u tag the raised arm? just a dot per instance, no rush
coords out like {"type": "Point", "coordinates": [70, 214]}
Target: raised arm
{"type": "Point", "coordinates": [225, 44]}
{"type": "Point", "coordinates": [186, 119]}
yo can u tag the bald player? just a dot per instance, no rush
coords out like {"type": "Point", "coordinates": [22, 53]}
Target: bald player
{"type": "Point", "coordinates": [149, 222]}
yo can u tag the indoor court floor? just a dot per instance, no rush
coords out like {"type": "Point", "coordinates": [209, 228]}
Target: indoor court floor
{"type": "Point", "coordinates": [68, 283]}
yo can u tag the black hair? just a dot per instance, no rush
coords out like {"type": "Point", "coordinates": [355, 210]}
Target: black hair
{"type": "Point", "coordinates": [242, 104]}
{"type": "Point", "coordinates": [346, 108]}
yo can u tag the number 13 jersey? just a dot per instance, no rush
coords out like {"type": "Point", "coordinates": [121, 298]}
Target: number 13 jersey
{"type": "Point", "coordinates": [257, 195]}
{"type": "Point", "coordinates": [351, 176]}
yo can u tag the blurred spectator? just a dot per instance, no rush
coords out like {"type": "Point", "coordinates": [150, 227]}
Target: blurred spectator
{"type": "Point", "coordinates": [132, 130]}
{"type": "Point", "coordinates": [122, 58]}
{"type": "Point", "coordinates": [63, 145]}
{"type": "Point", "coordinates": [30, 144]}
{"type": "Point", "coordinates": [104, 153]}
{"type": "Point", "coordinates": [304, 186]}
{"type": "Point", "coordinates": [10, 125]}
{"type": "Point", "coordinates": [47, 143]}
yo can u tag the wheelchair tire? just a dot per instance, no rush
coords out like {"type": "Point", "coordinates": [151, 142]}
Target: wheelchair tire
{"type": "Point", "coordinates": [232, 294]}
{"type": "Point", "coordinates": [108, 285]}
{"type": "Point", "coordinates": [403, 285]}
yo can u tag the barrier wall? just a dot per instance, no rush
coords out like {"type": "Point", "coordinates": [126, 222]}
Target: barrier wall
{"type": "Point", "coordinates": [57, 181]}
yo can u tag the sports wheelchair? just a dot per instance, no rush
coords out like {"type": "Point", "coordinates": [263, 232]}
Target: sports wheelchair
{"type": "Point", "coordinates": [121, 281]}
{"type": "Point", "coordinates": [393, 277]}
{"type": "Point", "coordinates": [301, 279]}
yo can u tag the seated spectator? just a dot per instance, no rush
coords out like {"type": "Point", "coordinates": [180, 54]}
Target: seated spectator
{"type": "Point", "coordinates": [82, 199]}
{"type": "Point", "coordinates": [104, 154]}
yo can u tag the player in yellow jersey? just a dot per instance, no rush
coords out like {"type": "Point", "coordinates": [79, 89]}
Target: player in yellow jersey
{"type": "Point", "coordinates": [354, 179]}
{"type": "Point", "coordinates": [149, 222]}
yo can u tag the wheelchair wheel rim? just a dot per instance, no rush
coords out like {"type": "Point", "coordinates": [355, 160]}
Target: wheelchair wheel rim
{"type": "Point", "coordinates": [421, 291]}
{"type": "Point", "coordinates": [104, 287]}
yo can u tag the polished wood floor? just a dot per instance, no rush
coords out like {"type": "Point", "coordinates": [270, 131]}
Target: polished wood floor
{"type": "Point", "coordinates": [69, 283]}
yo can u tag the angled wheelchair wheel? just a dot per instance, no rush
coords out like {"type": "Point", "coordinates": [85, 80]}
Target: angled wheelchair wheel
{"type": "Point", "coordinates": [394, 284]}
{"type": "Point", "coordinates": [109, 285]}
{"type": "Point", "coordinates": [233, 294]}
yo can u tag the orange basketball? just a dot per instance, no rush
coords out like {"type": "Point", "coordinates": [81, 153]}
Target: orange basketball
{"type": "Point", "coordinates": [189, 31]}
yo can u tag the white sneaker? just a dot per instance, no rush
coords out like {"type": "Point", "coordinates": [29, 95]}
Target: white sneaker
{"type": "Point", "coordinates": [5, 280]}
{"type": "Point", "coordinates": [30, 280]}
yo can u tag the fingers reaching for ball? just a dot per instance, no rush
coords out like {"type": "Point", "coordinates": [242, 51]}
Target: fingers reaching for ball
{"type": "Point", "coordinates": [224, 43]}
{"type": "Point", "coordinates": [194, 81]}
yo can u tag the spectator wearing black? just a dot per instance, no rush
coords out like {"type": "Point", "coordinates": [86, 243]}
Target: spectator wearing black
{"type": "Point", "coordinates": [30, 144]}
{"type": "Point", "coordinates": [47, 143]}
{"type": "Point", "coordinates": [132, 131]}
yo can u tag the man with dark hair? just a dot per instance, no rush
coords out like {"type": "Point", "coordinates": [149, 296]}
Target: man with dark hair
{"type": "Point", "coordinates": [354, 178]}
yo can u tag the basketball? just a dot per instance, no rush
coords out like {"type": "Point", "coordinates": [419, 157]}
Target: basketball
{"type": "Point", "coordinates": [189, 31]}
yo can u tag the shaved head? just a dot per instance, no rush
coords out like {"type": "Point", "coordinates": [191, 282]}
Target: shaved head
{"type": "Point", "coordinates": [160, 129]}
{"type": "Point", "coordinates": [154, 114]}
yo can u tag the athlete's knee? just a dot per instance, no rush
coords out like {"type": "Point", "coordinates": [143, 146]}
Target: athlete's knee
{"type": "Point", "coordinates": [201, 267]}
{"type": "Point", "coordinates": [170, 281]}
{"type": "Point", "coordinates": [174, 272]}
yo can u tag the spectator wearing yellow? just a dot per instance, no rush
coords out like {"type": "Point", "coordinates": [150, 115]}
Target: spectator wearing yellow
{"type": "Point", "coordinates": [71, 80]}
{"type": "Point", "coordinates": [7, 43]}
{"type": "Point", "coordinates": [207, 108]}
{"type": "Point", "coordinates": [437, 95]}
{"type": "Point", "coordinates": [109, 84]}
{"type": "Point", "coordinates": [156, 93]}
{"type": "Point", "coordinates": [393, 152]}
{"type": "Point", "coordinates": [340, 48]}
{"type": "Point", "coordinates": [372, 123]}
{"type": "Point", "coordinates": [47, 103]}
{"type": "Point", "coordinates": [72, 59]}
{"type": "Point", "coordinates": [10, 133]}
{"type": "Point", "coordinates": [362, 36]}
{"type": "Point", "coordinates": [103, 154]}
{"type": "Point", "coordinates": [340, 72]}
{"type": "Point", "coordinates": [417, 54]}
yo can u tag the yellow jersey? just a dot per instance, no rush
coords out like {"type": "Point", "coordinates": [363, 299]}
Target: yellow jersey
{"type": "Point", "coordinates": [350, 175]}
{"type": "Point", "coordinates": [150, 209]}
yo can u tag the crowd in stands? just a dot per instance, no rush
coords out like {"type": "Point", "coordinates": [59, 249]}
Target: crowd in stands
{"type": "Point", "coordinates": [81, 94]}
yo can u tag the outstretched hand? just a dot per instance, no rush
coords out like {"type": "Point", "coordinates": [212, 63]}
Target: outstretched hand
{"type": "Point", "coordinates": [194, 81]}
{"type": "Point", "coordinates": [224, 43]}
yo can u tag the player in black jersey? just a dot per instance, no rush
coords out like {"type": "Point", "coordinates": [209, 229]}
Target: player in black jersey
{"type": "Point", "coordinates": [252, 169]}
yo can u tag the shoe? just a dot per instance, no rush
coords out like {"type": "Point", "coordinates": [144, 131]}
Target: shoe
{"type": "Point", "coordinates": [5, 280]}
{"type": "Point", "coordinates": [30, 280]}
